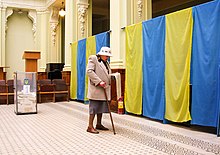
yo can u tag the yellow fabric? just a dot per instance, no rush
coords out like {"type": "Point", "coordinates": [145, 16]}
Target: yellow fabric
{"type": "Point", "coordinates": [73, 82]}
{"type": "Point", "coordinates": [90, 50]}
{"type": "Point", "coordinates": [133, 76]}
{"type": "Point", "coordinates": [177, 65]}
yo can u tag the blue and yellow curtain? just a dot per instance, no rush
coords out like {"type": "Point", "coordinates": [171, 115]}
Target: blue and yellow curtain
{"type": "Point", "coordinates": [177, 59]}
{"type": "Point", "coordinates": [81, 50]}
{"type": "Point", "coordinates": [133, 82]}
{"type": "Point", "coordinates": [81, 67]}
{"type": "Point", "coordinates": [90, 50]}
{"type": "Point", "coordinates": [177, 48]}
{"type": "Point", "coordinates": [162, 56]}
{"type": "Point", "coordinates": [205, 64]}
{"type": "Point", "coordinates": [153, 68]}
{"type": "Point", "coordinates": [73, 80]}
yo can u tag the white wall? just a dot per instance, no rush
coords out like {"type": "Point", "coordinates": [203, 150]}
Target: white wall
{"type": "Point", "coordinates": [19, 37]}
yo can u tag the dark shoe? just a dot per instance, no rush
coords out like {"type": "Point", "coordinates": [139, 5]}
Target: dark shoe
{"type": "Point", "coordinates": [92, 130]}
{"type": "Point", "coordinates": [101, 127]}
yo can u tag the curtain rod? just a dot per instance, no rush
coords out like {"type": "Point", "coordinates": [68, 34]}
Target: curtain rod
{"type": "Point", "coordinates": [106, 31]}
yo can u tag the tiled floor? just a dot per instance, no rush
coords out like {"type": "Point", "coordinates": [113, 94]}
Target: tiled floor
{"type": "Point", "coordinates": [60, 128]}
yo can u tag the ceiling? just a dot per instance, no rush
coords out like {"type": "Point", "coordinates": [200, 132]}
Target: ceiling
{"type": "Point", "coordinates": [97, 4]}
{"type": "Point", "coordinates": [162, 7]}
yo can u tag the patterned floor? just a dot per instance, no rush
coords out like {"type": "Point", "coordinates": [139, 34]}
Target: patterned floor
{"type": "Point", "coordinates": [60, 128]}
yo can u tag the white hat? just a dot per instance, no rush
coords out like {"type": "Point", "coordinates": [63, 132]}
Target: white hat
{"type": "Point", "coordinates": [105, 51]}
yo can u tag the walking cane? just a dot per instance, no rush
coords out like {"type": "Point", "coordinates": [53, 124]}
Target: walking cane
{"type": "Point", "coordinates": [109, 111]}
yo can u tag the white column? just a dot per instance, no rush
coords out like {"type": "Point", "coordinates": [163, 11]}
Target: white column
{"type": "Point", "coordinates": [54, 35]}
{"type": "Point", "coordinates": [118, 19]}
{"type": "Point", "coordinates": [32, 14]}
{"type": "Point", "coordinates": [122, 14]}
{"type": "Point", "coordinates": [148, 9]}
{"type": "Point", "coordinates": [1, 35]}
{"type": "Point", "coordinates": [6, 12]}
{"type": "Point", "coordinates": [70, 30]}
{"type": "Point", "coordinates": [42, 38]}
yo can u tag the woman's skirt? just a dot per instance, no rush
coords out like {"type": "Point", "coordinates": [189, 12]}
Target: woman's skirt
{"type": "Point", "coordinates": [96, 107]}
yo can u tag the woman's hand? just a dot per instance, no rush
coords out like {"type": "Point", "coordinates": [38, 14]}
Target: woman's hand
{"type": "Point", "coordinates": [102, 84]}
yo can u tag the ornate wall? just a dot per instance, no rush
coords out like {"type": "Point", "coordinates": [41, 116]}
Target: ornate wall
{"type": "Point", "coordinates": [45, 32]}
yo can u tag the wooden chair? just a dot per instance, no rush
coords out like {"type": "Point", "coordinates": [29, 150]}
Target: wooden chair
{"type": "Point", "coordinates": [45, 88]}
{"type": "Point", "coordinates": [61, 88]}
{"type": "Point", "coordinates": [10, 84]}
{"type": "Point", "coordinates": [3, 91]}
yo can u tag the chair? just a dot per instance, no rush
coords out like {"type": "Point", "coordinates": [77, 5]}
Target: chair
{"type": "Point", "coordinates": [61, 89]}
{"type": "Point", "coordinates": [45, 88]}
{"type": "Point", "coordinates": [10, 84]}
{"type": "Point", "coordinates": [3, 91]}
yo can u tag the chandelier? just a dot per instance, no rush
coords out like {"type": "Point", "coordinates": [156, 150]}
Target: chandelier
{"type": "Point", "coordinates": [62, 11]}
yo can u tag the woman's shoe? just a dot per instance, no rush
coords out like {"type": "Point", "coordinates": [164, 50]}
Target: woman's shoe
{"type": "Point", "coordinates": [92, 130]}
{"type": "Point", "coordinates": [101, 127]}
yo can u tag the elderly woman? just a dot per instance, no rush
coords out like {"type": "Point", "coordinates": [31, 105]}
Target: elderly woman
{"type": "Point", "coordinates": [98, 71]}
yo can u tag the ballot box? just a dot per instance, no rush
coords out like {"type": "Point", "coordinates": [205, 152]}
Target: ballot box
{"type": "Point", "coordinates": [25, 89]}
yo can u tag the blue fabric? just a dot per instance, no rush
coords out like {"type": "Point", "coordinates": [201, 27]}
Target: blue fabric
{"type": "Point", "coordinates": [205, 61]}
{"type": "Point", "coordinates": [218, 125]}
{"type": "Point", "coordinates": [81, 69]}
{"type": "Point", "coordinates": [153, 68]}
{"type": "Point", "coordinates": [102, 39]}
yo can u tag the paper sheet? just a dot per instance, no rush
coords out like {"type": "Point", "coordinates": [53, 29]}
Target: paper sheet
{"type": "Point", "coordinates": [118, 83]}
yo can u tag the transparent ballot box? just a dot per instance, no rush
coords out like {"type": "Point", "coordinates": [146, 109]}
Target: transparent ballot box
{"type": "Point", "coordinates": [25, 98]}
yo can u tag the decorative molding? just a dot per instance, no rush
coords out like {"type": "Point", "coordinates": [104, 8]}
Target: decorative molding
{"type": "Point", "coordinates": [40, 12]}
{"type": "Point", "coordinates": [53, 27]}
{"type": "Point", "coordinates": [139, 8]}
{"type": "Point", "coordinates": [31, 4]}
{"type": "Point", "coordinates": [33, 16]}
{"type": "Point", "coordinates": [8, 13]}
{"type": "Point", "coordinates": [49, 3]}
{"type": "Point", "coordinates": [82, 10]}
{"type": "Point", "coordinates": [54, 21]}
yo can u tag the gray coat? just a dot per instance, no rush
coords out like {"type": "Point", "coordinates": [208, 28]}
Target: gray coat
{"type": "Point", "coordinates": [97, 72]}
